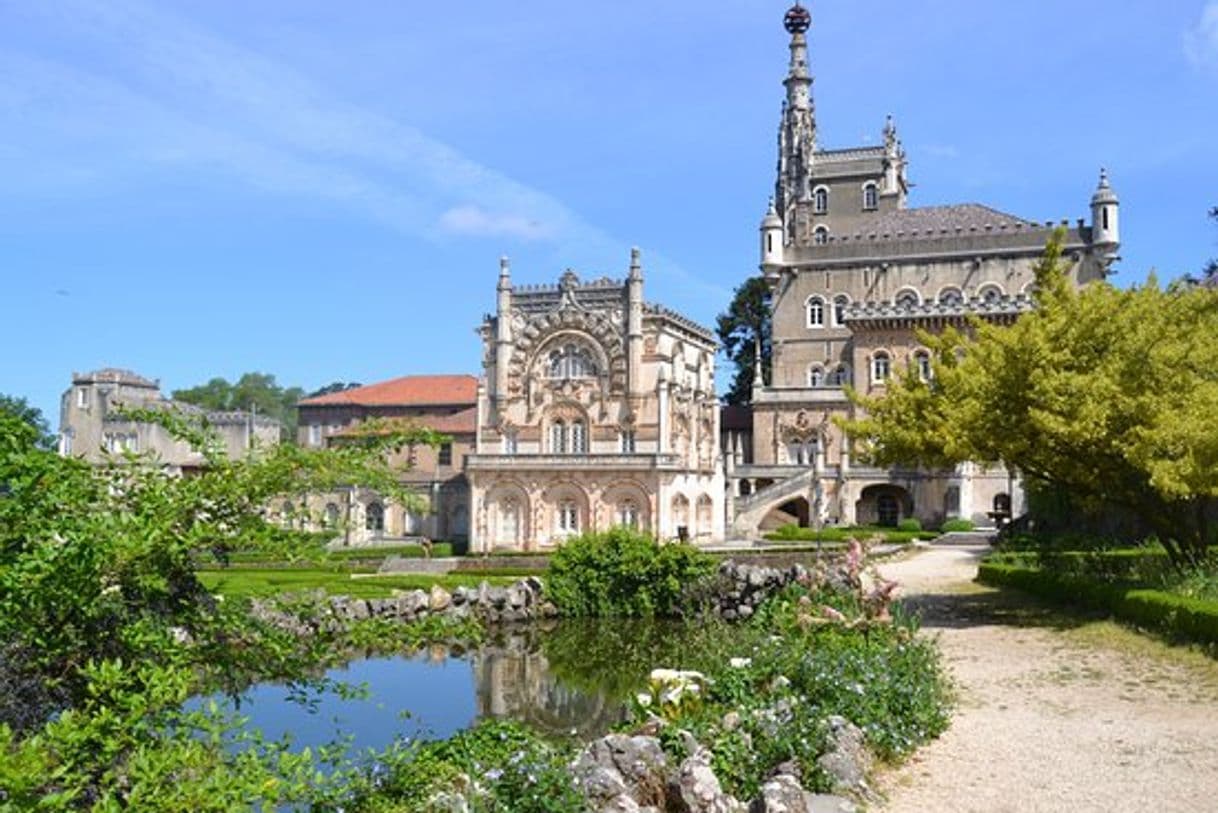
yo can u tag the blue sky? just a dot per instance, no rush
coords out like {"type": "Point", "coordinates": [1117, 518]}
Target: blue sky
{"type": "Point", "coordinates": [322, 190]}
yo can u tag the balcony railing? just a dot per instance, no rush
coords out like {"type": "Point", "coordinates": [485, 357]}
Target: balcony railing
{"type": "Point", "coordinates": [639, 462]}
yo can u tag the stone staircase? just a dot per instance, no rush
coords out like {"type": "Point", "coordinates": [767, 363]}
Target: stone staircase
{"type": "Point", "coordinates": [752, 509]}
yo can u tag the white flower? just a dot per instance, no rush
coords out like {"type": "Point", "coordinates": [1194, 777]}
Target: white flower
{"type": "Point", "coordinates": [643, 698]}
{"type": "Point", "coordinates": [740, 663]}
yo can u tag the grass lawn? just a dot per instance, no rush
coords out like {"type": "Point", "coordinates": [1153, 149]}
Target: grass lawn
{"type": "Point", "coordinates": [249, 582]}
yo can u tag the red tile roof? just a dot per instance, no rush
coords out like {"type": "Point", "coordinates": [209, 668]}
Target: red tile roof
{"type": "Point", "coordinates": [411, 390]}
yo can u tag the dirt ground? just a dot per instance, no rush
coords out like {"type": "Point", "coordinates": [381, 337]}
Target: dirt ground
{"type": "Point", "coordinates": [1054, 712]}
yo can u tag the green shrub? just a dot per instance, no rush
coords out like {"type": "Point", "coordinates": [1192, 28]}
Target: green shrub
{"type": "Point", "coordinates": [622, 572]}
{"type": "Point", "coordinates": [958, 525]}
{"type": "Point", "coordinates": [909, 524]}
{"type": "Point", "coordinates": [1177, 616]}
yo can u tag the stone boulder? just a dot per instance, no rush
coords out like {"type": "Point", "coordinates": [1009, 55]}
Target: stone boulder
{"type": "Point", "coordinates": [440, 599]}
{"type": "Point", "coordinates": [781, 794]}
{"type": "Point", "coordinates": [847, 760]}
{"type": "Point", "coordinates": [617, 765]}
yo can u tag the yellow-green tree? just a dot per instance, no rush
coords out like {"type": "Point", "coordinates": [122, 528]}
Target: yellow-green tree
{"type": "Point", "coordinates": [1108, 395]}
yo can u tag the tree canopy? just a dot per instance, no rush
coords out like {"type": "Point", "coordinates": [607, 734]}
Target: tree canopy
{"type": "Point", "coordinates": [1106, 394]}
{"type": "Point", "coordinates": [252, 391]}
{"type": "Point", "coordinates": [22, 410]}
{"type": "Point", "coordinates": [745, 325]}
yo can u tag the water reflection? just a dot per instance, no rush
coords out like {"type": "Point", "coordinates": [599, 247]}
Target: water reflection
{"type": "Point", "coordinates": [568, 679]}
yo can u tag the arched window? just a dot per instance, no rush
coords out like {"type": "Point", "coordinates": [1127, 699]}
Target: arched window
{"type": "Point", "coordinates": [567, 518]}
{"type": "Point", "coordinates": [881, 367]}
{"type": "Point", "coordinates": [841, 376]}
{"type": "Point", "coordinates": [821, 235]}
{"type": "Point", "coordinates": [330, 515]}
{"type": "Point", "coordinates": [922, 364]}
{"type": "Point", "coordinates": [628, 514]}
{"type": "Point", "coordinates": [374, 517]}
{"type": "Point", "coordinates": [871, 196]}
{"type": "Point", "coordinates": [705, 515]}
{"type": "Point", "coordinates": [579, 438]}
{"type": "Point", "coordinates": [951, 297]}
{"type": "Point", "coordinates": [816, 312]}
{"type": "Point", "coordinates": [908, 298]}
{"type": "Point", "coordinates": [991, 294]}
{"type": "Point", "coordinates": [840, 303]}
{"type": "Point", "coordinates": [1002, 504]}
{"type": "Point", "coordinates": [816, 376]}
{"type": "Point", "coordinates": [571, 361]}
{"type": "Point", "coordinates": [558, 438]}
{"type": "Point", "coordinates": [820, 200]}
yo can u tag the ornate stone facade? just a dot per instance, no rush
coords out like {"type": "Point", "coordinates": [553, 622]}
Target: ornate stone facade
{"type": "Point", "coordinates": [855, 273]}
{"type": "Point", "coordinates": [598, 409]}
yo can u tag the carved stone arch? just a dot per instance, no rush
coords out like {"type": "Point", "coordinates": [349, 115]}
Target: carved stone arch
{"type": "Point", "coordinates": [619, 492]}
{"type": "Point", "coordinates": [508, 516]}
{"type": "Point", "coordinates": [596, 330]}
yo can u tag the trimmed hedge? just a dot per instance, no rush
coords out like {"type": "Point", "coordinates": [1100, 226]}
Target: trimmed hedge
{"type": "Point", "coordinates": [1176, 616]}
{"type": "Point", "coordinates": [958, 526]}
{"type": "Point", "coordinates": [892, 536]}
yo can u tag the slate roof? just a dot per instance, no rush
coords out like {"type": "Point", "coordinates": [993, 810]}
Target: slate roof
{"type": "Point", "coordinates": [411, 390]}
{"type": "Point", "coordinates": [937, 218]}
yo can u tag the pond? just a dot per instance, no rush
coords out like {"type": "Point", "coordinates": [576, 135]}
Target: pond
{"type": "Point", "coordinates": [571, 679]}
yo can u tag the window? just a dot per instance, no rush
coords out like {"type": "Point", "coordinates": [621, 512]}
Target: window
{"type": "Point", "coordinates": [509, 522]}
{"type": "Point", "coordinates": [951, 297]}
{"type": "Point", "coordinates": [1105, 215]}
{"type": "Point", "coordinates": [922, 364]}
{"type": "Point", "coordinates": [133, 443]}
{"type": "Point", "coordinates": [991, 294]}
{"type": "Point", "coordinates": [330, 515]}
{"type": "Point", "coordinates": [374, 517]}
{"type": "Point", "coordinates": [314, 434]}
{"type": "Point", "coordinates": [908, 298]}
{"type": "Point", "coordinates": [840, 303]}
{"type": "Point", "coordinates": [628, 444]}
{"type": "Point", "coordinates": [82, 398]}
{"type": "Point", "coordinates": [871, 196]}
{"type": "Point", "coordinates": [571, 361]}
{"type": "Point", "coordinates": [558, 438]}
{"type": "Point", "coordinates": [816, 376]}
{"type": "Point", "coordinates": [628, 514]}
{"type": "Point", "coordinates": [568, 518]}
{"type": "Point", "coordinates": [820, 200]}
{"type": "Point", "coordinates": [446, 454]}
{"type": "Point", "coordinates": [841, 376]}
{"type": "Point", "coordinates": [511, 444]}
{"type": "Point", "coordinates": [579, 438]}
{"type": "Point", "coordinates": [816, 312]}
{"type": "Point", "coordinates": [65, 443]}
{"type": "Point", "coordinates": [821, 235]}
{"type": "Point", "coordinates": [881, 367]}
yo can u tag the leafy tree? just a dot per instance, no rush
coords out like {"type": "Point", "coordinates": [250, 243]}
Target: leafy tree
{"type": "Point", "coordinates": [1105, 394]}
{"type": "Point", "coordinates": [22, 410]}
{"type": "Point", "coordinates": [741, 329]}
{"type": "Point", "coordinates": [1211, 268]}
{"type": "Point", "coordinates": [257, 392]}
{"type": "Point", "coordinates": [334, 386]}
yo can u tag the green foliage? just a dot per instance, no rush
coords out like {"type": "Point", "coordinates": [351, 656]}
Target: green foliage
{"type": "Point", "coordinates": [261, 582]}
{"type": "Point", "coordinates": [794, 533]}
{"type": "Point", "coordinates": [515, 769]}
{"type": "Point", "coordinates": [741, 330]}
{"type": "Point", "coordinates": [1102, 393]}
{"type": "Point", "coordinates": [623, 572]}
{"type": "Point", "coordinates": [1177, 616]}
{"type": "Point", "coordinates": [252, 391]}
{"type": "Point", "coordinates": [790, 668]}
{"type": "Point", "coordinates": [909, 524]}
{"type": "Point", "coordinates": [957, 525]}
{"type": "Point", "coordinates": [25, 412]}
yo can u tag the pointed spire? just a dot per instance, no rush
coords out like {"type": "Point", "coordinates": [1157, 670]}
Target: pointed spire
{"type": "Point", "coordinates": [799, 76]}
{"type": "Point", "coordinates": [758, 377]}
{"type": "Point", "coordinates": [505, 268]}
{"type": "Point", "coordinates": [1103, 192]}
{"type": "Point", "coordinates": [636, 263]}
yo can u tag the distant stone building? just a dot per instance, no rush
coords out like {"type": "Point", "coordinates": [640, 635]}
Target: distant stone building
{"type": "Point", "coordinates": [92, 428]}
{"type": "Point", "coordinates": [443, 403]}
{"type": "Point", "coordinates": [598, 410]}
{"type": "Point", "coordinates": [855, 272]}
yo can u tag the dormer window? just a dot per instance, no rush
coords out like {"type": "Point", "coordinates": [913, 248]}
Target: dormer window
{"type": "Point", "coordinates": [820, 200]}
{"type": "Point", "coordinates": [951, 297]}
{"type": "Point", "coordinates": [871, 197]}
{"type": "Point", "coordinates": [908, 298]}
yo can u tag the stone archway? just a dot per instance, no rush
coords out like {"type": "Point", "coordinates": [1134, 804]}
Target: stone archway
{"type": "Point", "coordinates": [884, 504]}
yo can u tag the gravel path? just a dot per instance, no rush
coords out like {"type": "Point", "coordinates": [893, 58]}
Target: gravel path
{"type": "Point", "coordinates": [1053, 713]}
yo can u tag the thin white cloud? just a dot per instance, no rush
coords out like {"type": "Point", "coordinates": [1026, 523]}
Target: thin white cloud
{"type": "Point", "coordinates": [1201, 41]}
{"type": "Point", "coordinates": [173, 94]}
{"type": "Point", "coordinates": [476, 221]}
